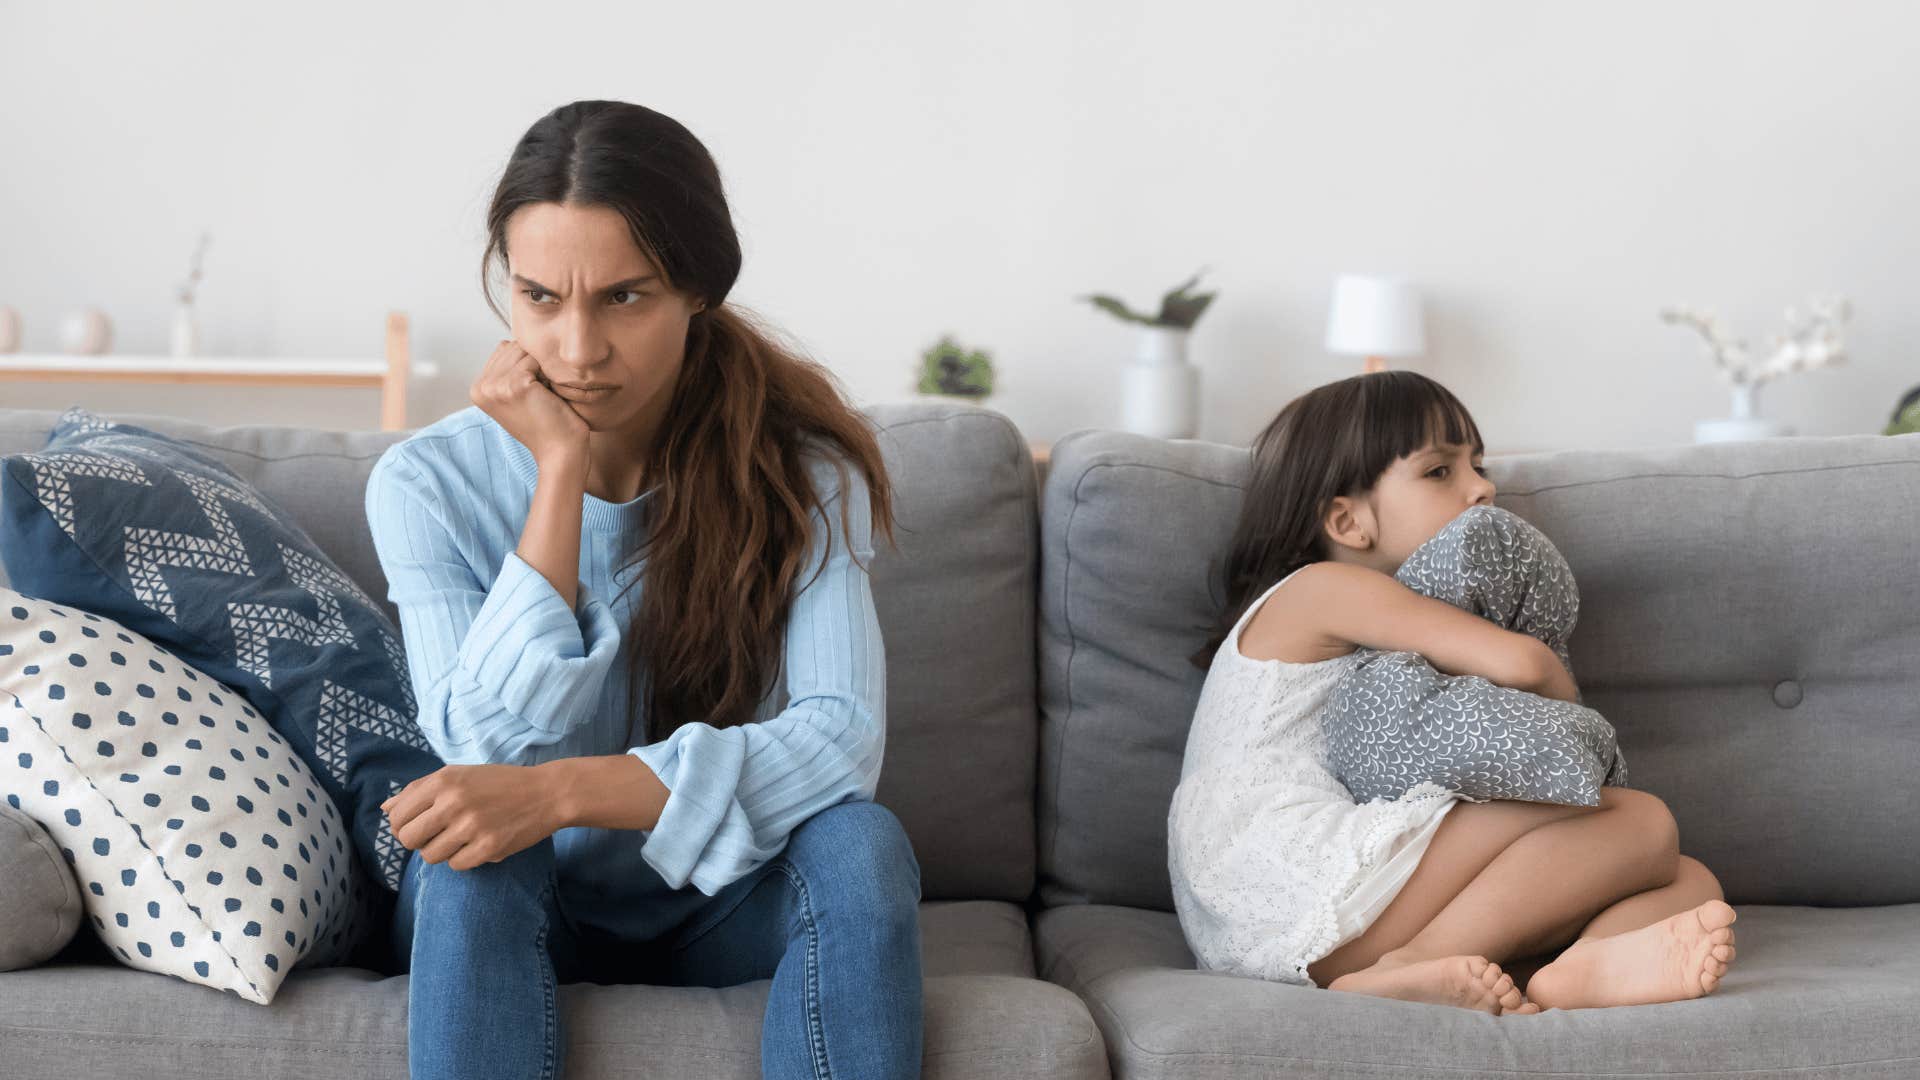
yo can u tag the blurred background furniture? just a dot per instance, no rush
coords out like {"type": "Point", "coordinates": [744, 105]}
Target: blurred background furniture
{"type": "Point", "coordinates": [389, 375]}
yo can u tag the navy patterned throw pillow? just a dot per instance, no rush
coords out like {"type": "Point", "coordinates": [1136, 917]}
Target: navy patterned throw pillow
{"type": "Point", "coordinates": [145, 530]}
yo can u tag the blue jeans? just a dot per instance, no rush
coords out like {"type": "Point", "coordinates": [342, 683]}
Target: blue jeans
{"type": "Point", "coordinates": [833, 920]}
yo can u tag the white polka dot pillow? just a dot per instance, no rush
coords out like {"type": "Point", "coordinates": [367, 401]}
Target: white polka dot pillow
{"type": "Point", "coordinates": [202, 845]}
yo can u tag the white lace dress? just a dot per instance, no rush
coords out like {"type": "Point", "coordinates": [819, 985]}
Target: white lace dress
{"type": "Point", "coordinates": [1273, 864]}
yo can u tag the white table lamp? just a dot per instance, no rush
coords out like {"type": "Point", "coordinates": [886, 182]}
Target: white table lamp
{"type": "Point", "coordinates": [1375, 317]}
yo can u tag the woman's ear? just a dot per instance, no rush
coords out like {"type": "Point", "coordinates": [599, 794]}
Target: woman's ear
{"type": "Point", "coordinates": [1349, 523]}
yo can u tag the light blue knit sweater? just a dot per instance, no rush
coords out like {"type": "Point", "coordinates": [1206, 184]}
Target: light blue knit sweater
{"type": "Point", "coordinates": [504, 672]}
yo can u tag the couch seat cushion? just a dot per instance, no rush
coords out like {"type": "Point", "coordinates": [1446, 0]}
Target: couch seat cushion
{"type": "Point", "coordinates": [986, 1016]}
{"type": "Point", "coordinates": [1816, 992]}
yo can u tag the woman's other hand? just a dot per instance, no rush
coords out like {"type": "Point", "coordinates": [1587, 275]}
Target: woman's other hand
{"type": "Point", "coordinates": [466, 815]}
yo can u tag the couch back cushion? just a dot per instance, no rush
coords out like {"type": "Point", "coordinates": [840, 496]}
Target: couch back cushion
{"type": "Point", "coordinates": [955, 600]}
{"type": "Point", "coordinates": [1749, 622]}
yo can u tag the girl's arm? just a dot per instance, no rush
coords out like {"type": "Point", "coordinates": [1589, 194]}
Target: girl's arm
{"type": "Point", "coordinates": [1354, 605]}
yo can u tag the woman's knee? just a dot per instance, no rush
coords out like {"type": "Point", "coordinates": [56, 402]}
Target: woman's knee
{"type": "Point", "coordinates": [858, 845]}
{"type": "Point", "coordinates": [521, 878]}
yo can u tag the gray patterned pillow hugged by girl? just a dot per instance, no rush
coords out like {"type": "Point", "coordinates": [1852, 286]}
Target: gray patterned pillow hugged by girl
{"type": "Point", "coordinates": [1393, 721]}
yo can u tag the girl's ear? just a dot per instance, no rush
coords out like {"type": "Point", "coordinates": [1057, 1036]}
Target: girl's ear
{"type": "Point", "coordinates": [1349, 523]}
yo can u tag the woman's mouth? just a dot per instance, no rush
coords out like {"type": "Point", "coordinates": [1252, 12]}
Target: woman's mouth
{"type": "Point", "coordinates": [583, 393]}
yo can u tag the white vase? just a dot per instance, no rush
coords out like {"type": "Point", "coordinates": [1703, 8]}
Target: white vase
{"type": "Point", "coordinates": [1159, 390]}
{"type": "Point", "coordinates": [186, 332]}
{"type": "Point", "coordinates": [1745, 423]}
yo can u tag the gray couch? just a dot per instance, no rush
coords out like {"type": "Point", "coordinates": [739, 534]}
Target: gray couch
{"type": "Point", "coordinates": [1750, 623]}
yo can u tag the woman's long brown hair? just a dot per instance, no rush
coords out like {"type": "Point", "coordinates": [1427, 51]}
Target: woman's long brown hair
{"type": "Point", "coordinates": [729, 523]}
{"type": "Point", "coordinates": [1333, 440]}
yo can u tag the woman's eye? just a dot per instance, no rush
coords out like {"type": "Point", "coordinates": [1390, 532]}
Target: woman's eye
{"type": "Point", "coordinates": [534, 295]}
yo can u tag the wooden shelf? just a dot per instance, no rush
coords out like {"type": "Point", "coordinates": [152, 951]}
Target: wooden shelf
{"type": "Point", "coordinates": [390, 375]}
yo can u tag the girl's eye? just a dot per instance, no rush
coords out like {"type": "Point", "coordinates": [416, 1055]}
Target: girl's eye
{"type": "Point", "coordinates": [1437, 470]}
{"type": "Point", "coordinates": [1481, 469]}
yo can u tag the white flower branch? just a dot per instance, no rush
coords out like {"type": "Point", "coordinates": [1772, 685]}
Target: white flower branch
{"type": "Point", "coordinates": [1814, 340]}
{"type": "Point", "coordinates": [193, 278]}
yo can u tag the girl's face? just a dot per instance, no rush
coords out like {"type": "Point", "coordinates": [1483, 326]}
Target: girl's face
{"type": "Point", "coordinates": [594, 312]}
{"type": "Point", "coordinates": [1414, 499]}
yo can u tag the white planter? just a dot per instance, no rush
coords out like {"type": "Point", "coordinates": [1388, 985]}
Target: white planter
{"type": "Point", "coordinates": [1744, 424]}
{"type": "Point", "coordinates": [1159, 390]}
{"type": "Point", "coordinates": [186, 332]}
{"type": "Point", "coordinates": [1161, 346]}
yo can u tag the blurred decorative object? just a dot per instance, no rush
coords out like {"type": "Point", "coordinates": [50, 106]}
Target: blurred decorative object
{"type": "Point", "coordinates": [1812, 341]}
{"type": "Point", "coordinates": [1160, 391]}
{"type": "Point", "coordinates": [1906, 415]}
{"type": "Point", "coordinates": [186, 330]}
{"type": "Point", "coordinates": [390, 375]}
{"type": "Point", "coordinates": [87, 332]}
{"type": "Point", "coordinates": [1376, 317]}
{"type": "Point", "coordinates": [1180, 308]}
{"type": "Point", "coordinates": [9, 329]}
{"type": "Point", "coordinates": [949, 369]}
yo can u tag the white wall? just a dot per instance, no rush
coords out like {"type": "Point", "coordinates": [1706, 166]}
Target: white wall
{"type": "Point", "coordinates": [1552, 173]}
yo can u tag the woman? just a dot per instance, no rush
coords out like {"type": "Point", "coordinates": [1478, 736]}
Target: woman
{"type": "Point", "coordinates": [643, 470]}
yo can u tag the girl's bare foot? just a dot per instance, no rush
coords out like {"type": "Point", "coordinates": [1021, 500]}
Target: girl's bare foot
{"type": "Point", "coordinates": [1672, 960]}
{"type": "Point", "coordinates": [1471, 982]}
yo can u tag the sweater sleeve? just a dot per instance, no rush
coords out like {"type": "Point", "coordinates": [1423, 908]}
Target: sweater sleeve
{"type": "Point", "coordinates": [736, 793]}
{"type": "Point", "coordinates": [498, 670]}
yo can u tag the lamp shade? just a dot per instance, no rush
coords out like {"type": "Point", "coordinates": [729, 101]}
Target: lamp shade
{"type": "Point", "coordinates": [1375, 316]}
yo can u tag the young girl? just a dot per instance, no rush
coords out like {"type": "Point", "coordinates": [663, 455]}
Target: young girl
{"type": "Point", "coordinates": [644, 471]}
{"type": "Point", "coordinates": [1277, 873]}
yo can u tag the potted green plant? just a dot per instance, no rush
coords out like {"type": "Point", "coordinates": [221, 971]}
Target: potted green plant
{"type": "Point", "coordinates": [949, 369]}
{"type": "Point", "coordinates": [1160, 390]}
{"type": "Point", "coordinates": [1906, 415]}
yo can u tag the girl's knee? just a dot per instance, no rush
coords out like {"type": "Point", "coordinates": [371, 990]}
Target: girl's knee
{"type": "Point", "coordinates": [1649, 822]}
{"type": "Point", "coordinates": [1695, 876]}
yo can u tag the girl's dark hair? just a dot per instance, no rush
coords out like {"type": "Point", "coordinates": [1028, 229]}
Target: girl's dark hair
{"type": "Point", "coordinates": [728, 526]}
{"type": "Point", "coordinates": [1333, 440]}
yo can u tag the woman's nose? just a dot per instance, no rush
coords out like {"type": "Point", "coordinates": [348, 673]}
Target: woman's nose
{"type": "Point", "coordinates": [581, 343]}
